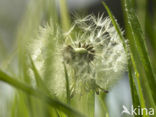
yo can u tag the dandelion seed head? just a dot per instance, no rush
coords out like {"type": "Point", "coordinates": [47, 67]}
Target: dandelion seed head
{"type": "Point", "coordinates": [110, 59]}
{"type": "Point", "coordinates": [93, 56]}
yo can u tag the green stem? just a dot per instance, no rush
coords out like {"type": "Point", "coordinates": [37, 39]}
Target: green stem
{"type": "Point", "coordinates": [37, 93]}
{"type": "Point", "coordinates": [65, 19]}
{"type": "Point", "coordinates": [67, 83]}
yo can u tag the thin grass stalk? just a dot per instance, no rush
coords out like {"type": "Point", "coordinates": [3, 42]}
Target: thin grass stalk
{"type": "Point", "coordinates": [103, 105]}
{"type": "Point", "coordinates": [67, 84]}
{"type": "Point", "coordinates": [135, 97]}
{"type": "Point", "coordinates": [150, 32]}
{"type": "Point", "coordinates": [38, 94]}
{"type": "Point", "coordinates": [65, 18]}
{"type": "Point", "coordinates": [139, 54]}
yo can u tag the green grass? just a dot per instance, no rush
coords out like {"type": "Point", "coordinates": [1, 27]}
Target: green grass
{"type": "Point", "coordinates": [143, 78]}
{"type": "Point", "coordinates": [30, 101]}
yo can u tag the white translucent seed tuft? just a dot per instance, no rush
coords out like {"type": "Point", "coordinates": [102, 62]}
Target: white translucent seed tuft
{"type": "Point", "coordinates": [92, 52]}
{"type": "Point", "coordinates": [110, 58]}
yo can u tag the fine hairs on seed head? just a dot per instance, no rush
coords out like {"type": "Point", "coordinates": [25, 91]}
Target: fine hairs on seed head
{"type": "Point", "coordinates": [94, 57]}
{"type": "Point", "coordinates": [96, 53]}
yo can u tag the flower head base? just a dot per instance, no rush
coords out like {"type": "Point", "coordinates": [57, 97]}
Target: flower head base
{"type": "Point", "coordinates": [83, 52]}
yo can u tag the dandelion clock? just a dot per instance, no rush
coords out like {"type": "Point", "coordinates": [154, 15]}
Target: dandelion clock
{"type": "Point", "coordinates": [89, 58]}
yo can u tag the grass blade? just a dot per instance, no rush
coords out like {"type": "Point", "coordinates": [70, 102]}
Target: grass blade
{"type": "Point", "coordinates": [65, 19]}
{"type": "Point", "coordinates": [114, 22]}
{"type": "Point", "coordinates": [138, 85]}
{"type": "Point", "coordinates": [134, 94]}
{"type": "Point", "coordinates": [150, 30]}
{"type": "Point", "coordinates": [139, 52]}
{"type": "Point", "coordinates": [37, 93]}
{"type": "Point", "coordinates": [67, 84]}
